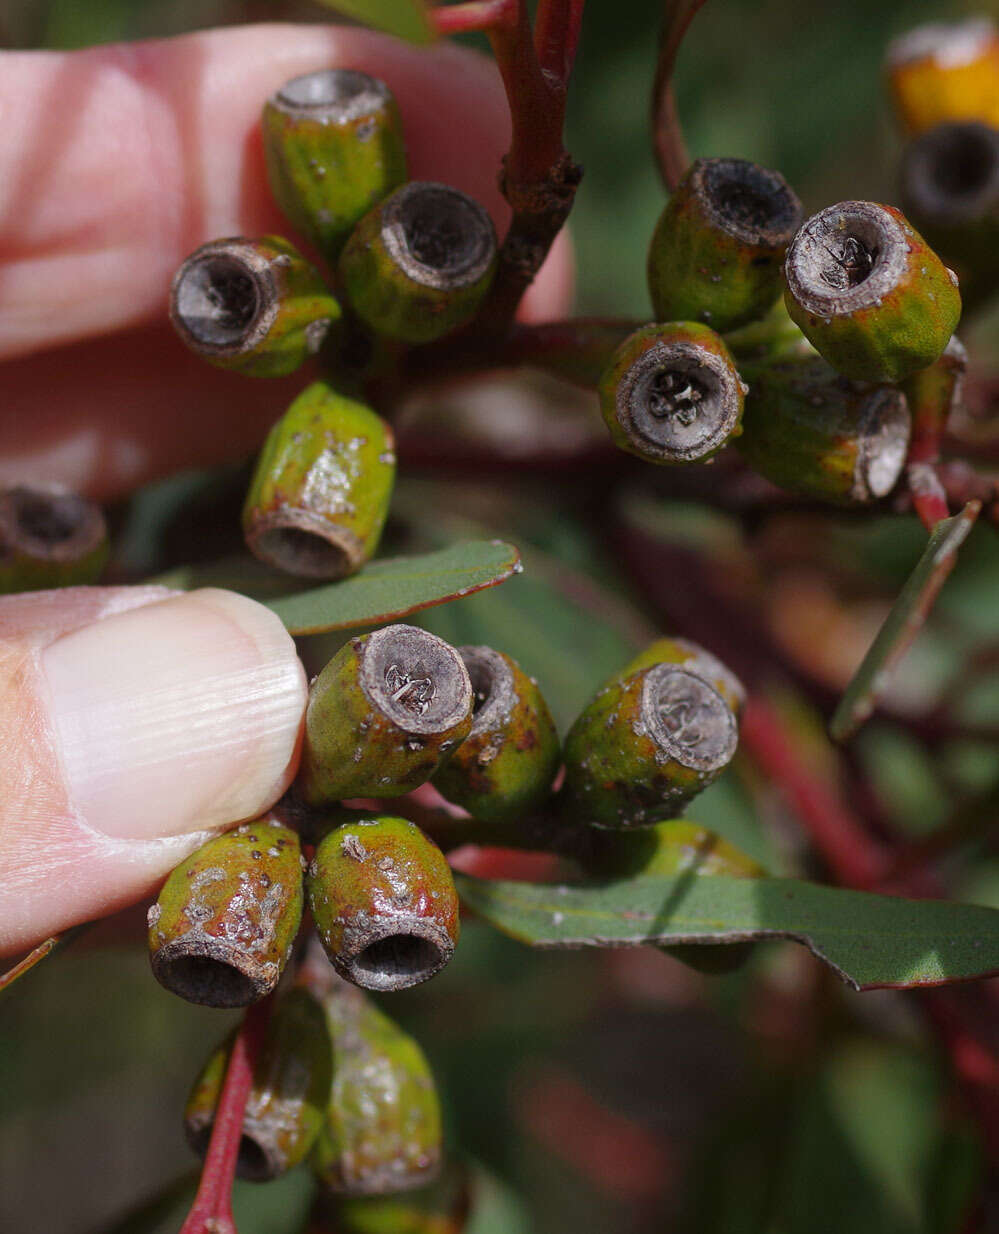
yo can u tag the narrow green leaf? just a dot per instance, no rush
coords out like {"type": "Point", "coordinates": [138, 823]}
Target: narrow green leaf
{"type": "Point", "coordinates": [397, 586]}
{"type": "Point", "coordinates": [870, 941]}
{"type": "Point", "coordinates": [42, 952]}
{"type": "Point", "coordinates": [902, 624]}
{"type": "Point", "coordinates": [406, 19]}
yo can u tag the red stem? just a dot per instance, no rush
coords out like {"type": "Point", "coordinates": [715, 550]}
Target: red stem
{"type": "Point", "coordinates": [211, 1212]}
{"type": "Point", "coordinates": [556, 35]}
{"type": "Point", "coordinates": [473, 15]}
{"type": "Point", "coordinates": [667, 136]}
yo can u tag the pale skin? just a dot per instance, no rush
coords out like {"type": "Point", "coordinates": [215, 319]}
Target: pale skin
{"type": "Point", "coordinates": [114, 164]}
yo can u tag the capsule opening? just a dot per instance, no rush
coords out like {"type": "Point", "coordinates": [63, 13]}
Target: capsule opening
{"type": "Point", "coordinates": [253, 1162]}
{"type": "Point", "coordinates": [481, 676]}
{"type": "Point", "coordinates": [416, 679]}
{"type": "Point", "coordinates": [965, 163]}
{"type": "Point", "coordinates": [849, 263]}
{"type": "Point", "coordinates": [47, 518]}
{"type": "Point", "coordinates": [217, 300]}
{"type": "Point", "coordinates": [211, 983]}
{"type": "Point", "coordinates": [397, 961]}
{"type": "Point", "coordinates": [690, 719]}
{"type": "Point", "coordinates": [443, 231]}
{"type": "Point", "coordinates": [676, 393]}
{"type": "Point", "coordinates": [297, 550]}
{"type": "Point", "coordinates": [750, 200]}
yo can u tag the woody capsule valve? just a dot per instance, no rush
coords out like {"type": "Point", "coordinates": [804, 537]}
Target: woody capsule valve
{"type": "Point", "coordinates": [49, 538]}
{"type": "Point", "coordinates": [334, 148]}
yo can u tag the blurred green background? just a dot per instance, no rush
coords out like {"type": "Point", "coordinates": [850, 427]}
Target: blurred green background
{"type": "Point", "coordinates": [612, 1093]}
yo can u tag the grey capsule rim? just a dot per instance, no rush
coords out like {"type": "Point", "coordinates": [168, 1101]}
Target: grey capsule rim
{"type": "Point", "coordinates": [304, 543]}
{"type": "Point", "coordinates": [809, 253]}
{"type": "Point", "coordinates": [377, 656]}
{"type": "Point", "coordinates": [667, 354]}
{"type": "Point", "coordinates": [725, 731]}
{"type": "Point", "coordinates": [472, 269]}
{"type": "Point", "coordinates": [707, 177]}
{"type": "Point", "coordinates": [883, 445]}
{"type": "Point", "coordinates": [924, 162]}
{"type": "Point", "coordinates": [86, 524]}
{"type": "Point", "coordinates": [502, 687]}
{"type": "Point", "coordinates": [242, 979]}
{"type": "Point", "coordinates": [437, 951]}
{"type": "Point", "coordinates": [338, 96]}
{"type": "Point", "coordinates": [258, 268]}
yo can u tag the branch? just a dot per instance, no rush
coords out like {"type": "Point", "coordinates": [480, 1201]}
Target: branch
{"type": "Point", "coordinates": [473, 15]}
{"type": "Point", "coordinates": [667, 136]}
{"type": "Point", "coordinates": [211, 1212]}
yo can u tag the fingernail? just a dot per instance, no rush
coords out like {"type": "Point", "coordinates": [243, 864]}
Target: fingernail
{"type": "Point", "coordinates": [175, 717]}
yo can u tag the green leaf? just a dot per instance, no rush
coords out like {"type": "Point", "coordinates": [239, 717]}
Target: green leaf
{"type": "Point", "coordinates": [406, 19]}
{"type": "Point", "coordinates": [870, 941]}
{"type": "Point", "coordinates": [397, 586]}
{"type": "Point", "coordinates": [42, 952]}
{"type": "Point", "coordinates": [903, 622]}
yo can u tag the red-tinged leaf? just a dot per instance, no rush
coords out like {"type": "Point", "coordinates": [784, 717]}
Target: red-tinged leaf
{"type": "Point", "coordinates": [870, 941]}
{"type": "Point", "coordinates": [406, 19]}
{"type": "Point", "coordinates": [903, 623]}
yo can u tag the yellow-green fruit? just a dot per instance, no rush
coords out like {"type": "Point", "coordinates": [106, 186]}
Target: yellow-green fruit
{"type": "Point", "coordinates": [717, 249]}
{"type": "Point", "coordinates": [334, 147]}
{"type": "Point", "coordinates": [419, 264]}
{"type": "Point", "coordinates": [254, 306]}
{"type": "Point", "coordinates": [222, 928]}
{"type": "Point", "coordinates": [505, 766]}
{"type": "Point", "coordinates": [813, 432]}
{"type": "Point", "coordinates": [869, 293]}
{"type": "Point", "coordinates": [382, 1131]}
{"type": "Point", "coordinates": [49, 538]}
{"type": "Point", "coordinates": [672, 393]}
{"type": "Point", "coordinates": [646, 745]}
{"type": "Point", "coordinates": [286, 1106]}
{"type": "Point", "coordinates": [321, 489]}
{"type": "Point", "coordinates": [383, 715]}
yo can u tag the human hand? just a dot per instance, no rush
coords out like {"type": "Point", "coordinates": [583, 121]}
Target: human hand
{"type": "Point", "coordinates": [133, 722]}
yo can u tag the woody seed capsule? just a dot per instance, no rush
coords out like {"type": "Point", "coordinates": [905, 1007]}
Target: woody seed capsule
{"type": "Point", "coordinates": [685, 654]}
{"type": "Point", "coordinates": [383, 715]}
{"type": "Point", "coordinates": [49, 538]}
{"type": "Point", "coordinates": [384, 901]}
{"type": "Point", "coordinates": [945, 71]}
{"type": "Point", "coordinates": [221, 930]}
{"type": "Point", "coordinates": [671, 393]}
{"type": "Point", "coordinates": [287, 1103]}
{"type": "Point", "coordinates": [443, 1206]}
{"type": "Point", "coordinates": [869, 293]}
{"type": "Point", "coordinates": [334, 147]}
{"type": "Point", "coordinates": [505, 766]}
{"type": "Point", "coordinates": [813, 432]}
{"type": "Point", "coordinates": [320, 493]}
{"type": "Point", "coordinates": [646, 745]}
{"type": "Point", "coordinates": [420, 263]}
{"type": "Point", "coordinates": [254, 306]}
{"type": "Point", "coordinates": [717, 249]}
{"type": "Point", "coordinates": [382, 1132]}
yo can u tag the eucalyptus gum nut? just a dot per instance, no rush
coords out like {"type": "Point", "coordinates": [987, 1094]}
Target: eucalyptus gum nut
{"type": "Point", "coordinates": [322, 485]}
{"type": "Point", "coordinates": [812, 432]}
{"type": "Point", "coordinates": [383, 715]}
{"type": "Point", "coordinates": [945, 71]}
{"type": "Point", "coordinates": [645, 746]}
{"type": "Point", "coordinates": [505, 766]}
{"type": "Point", "coordinates": [672, 393]}
{"type": "Point", "coordinates": [869, 293]}
{"type": "Point", "coordinates": [334, 147]}
{"type": "Point", "coordinates": [49, 538]}
{"type": "Point", "coordinates": [717, 248]}
{"type": "Point", "coordinates": [256, 307]}
{"type": "Point", "coordinates": [382, 1131]}
{"type": "Point", "coordinates": [222, 928]}
{"type": "Point", "coordinates": [420, 263]}
{"type": "Point", "coordinates": [288, 1096]}
{"type": "Point", "coordinates": [685, 654]}
{"type": "Point", "coordinates": [383, 901]}
{"type": "Point", "coordinates": [442, 1207]}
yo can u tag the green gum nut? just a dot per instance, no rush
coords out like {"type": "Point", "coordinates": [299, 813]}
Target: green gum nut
{"type": "Point", "coordinates": [383, 901]}
{"type": "Point", "coordinates": [443, 1207]}
{"type": "Point", "coordinates": [49, 538]}
{"type": "Point", "coordinates": [254, 306]}
{"type": "Point", "coordinates": [334, 148]}
{"type": "Point", "coordinates": [869, 293]}
{"type": "Point", "coordinates": [383, 715]}
{"type": "Point", "coordinates": [812, 432]}
{"type": "Point", "coordinates": [717, 249]}
{"type": "Point", "coordinates": [949, 185]}
{"type": "Point", "coordinates": [382, 1132]}
{"type": "Point", "coordinates": [286, 1107]}
{"type": "Point", "coordinates": [419, 264]}
{"type": "Point", "coordinates": [672, 393]}
{"type": "Point", "coordinates": [675, 847]}
{"type": "Point", "coordinates": [505, 766]}
{"type": "Point", "coordinates": [321, 489]}
{"type": "Point", "coordinates": [692, 656]}
{"type": "Point", "coordinates": [222, 928]}
{"type": "Point", "coordinates": [646, 745]}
